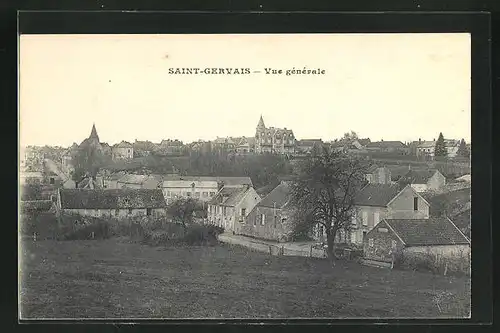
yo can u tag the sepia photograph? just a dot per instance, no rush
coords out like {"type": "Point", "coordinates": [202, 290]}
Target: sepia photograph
{"type": "Point", "coordinates": [244, 176]}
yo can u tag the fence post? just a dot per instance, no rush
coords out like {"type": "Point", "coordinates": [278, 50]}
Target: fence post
{"type": "Point", "coordinates": [446, 268]}
{"type": "Point", "coordinates": [92, 235]}
{"type": "Point", "coordinates": [311, 251]}
{"type": "Point", "coordinates": [270, 250]}
{"type": "Point", "coordinates": [34, 237]}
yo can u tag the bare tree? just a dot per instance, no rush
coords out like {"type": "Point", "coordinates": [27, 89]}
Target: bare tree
{"type": "Point", "coordinates": [324, 192]}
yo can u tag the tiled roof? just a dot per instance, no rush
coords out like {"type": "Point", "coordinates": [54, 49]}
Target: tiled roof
{"type": "Point", "coordinates": [417, 176]}
{"type": "Point", "coordinates": [463, 221]}
{"type": "Point", "coordinates": [145, 145]}
{"type": "Point", "coordinates": [229, 196]}
{"type": "Point", "coordinates": [432, 231]}
{"type": "Point", "coordinates": [111, 198]}
{"type": "Point", "coordinates": [189, 183]}
{"type": "Point", "coordinates": [378, 195]}
{"type": "Point", "coordinates": [226, 181]}
{"type": "Point", "coordinates": [385, 144]}
{"type": "Point", "coordinates": [133, 179]}
{"type": "Point", "coordinates": [123, 144]}
{"type": "Point", "coordinates": [36, 205]}
{"type": "Point", "coordinates": [278, 197]}
{"type": "Point", "coordinates": [427, 144]}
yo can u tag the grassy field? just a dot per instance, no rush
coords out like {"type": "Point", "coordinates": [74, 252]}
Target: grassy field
{"type": "Point", "coordinates": [118, 279]}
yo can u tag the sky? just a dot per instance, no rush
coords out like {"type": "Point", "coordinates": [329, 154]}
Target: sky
{"type": "Point", "coordinates": [382, 86]}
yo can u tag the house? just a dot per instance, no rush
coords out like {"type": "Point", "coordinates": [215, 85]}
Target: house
{"type": "Point", "coordinates": [139, 181]}
{"type": "Point", "coordinates": [245, 146]}
{"type": "Point", "coordinates": [122, 150]}
{"type": "Point", "coordinates": [223, 145]}
{"type": "Point", "coordinates": [388, 147]}
{"type": "Point", "coordinates": [452, 147]}
{"type": "Point", "coordinates": [270, 218]}
{"type": "Point", "coordinates": [200, 187]}
{"type": "Point", "coordinates": [378, 175]}
{"type": "Point", "coordinates": [382, 201]}
{"type": "Point", "coordinates": [144, 148]}
{"type": "Point", "coordinates": [30, 177]}
{"type": "Point", "coordinates": [307, 146]}
{"type": "Point", "coordinates": [190, 187]}
{"type": "Point", "coordinates": [438, 237]}
{"type": "Point", "coordinates": [118, 203]}
{"type": "Point", "coordinates": [230, 207]}
{"type": "Point", "coordinates": [273, 140]}
{"type": "Point", "coordinates": [424, 180]}
{"type": "Point", "coordinates": [170, 148]}
{"type": "Point", "coordinates": [426, 148]}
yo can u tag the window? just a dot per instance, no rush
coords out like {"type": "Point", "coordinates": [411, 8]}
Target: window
{"type": "Point", "coordinates": [415, 203]}
{"type": "Point", "coordinates": [365, 218]}
{"type": "Point", "coordinates": [354, 218]}
{"type": "Point", "coordinates": [275, 221]}
{"type": "Point", "coordinates": [262, 219]}
{"type": "Point", "coordinates": [130, 211]}
{"type": "Point", "coordinates": [353, 237]}
{"type": "Point", "coordinates": [255, 221]}
{"type": "Point", "coordinates": [188, 194]}
{"type": "Point", "coordinates": [364, 235]}
{"type": "Point", "coordinates": [370, 242]}
{"type": "Point", "coordinates": [212, 194]}
{"type": "Point", "coordinates": [376, 218]}
{"type": "Point", "coordinates": [243, 211]}
{"type": "Point", "coordinates": [196, 194]}
{"type": "Point", "coordinates": [117, 212]}
{"type": "Point", "coordinates": [148, 211]}
{"type": "Point", "coordinates": [52, 181]}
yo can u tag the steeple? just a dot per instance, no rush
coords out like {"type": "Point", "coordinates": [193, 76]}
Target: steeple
{"type": "Point", "coordinates": [93, 134]}
{"type": "Point", "coordinates": [261, 123]}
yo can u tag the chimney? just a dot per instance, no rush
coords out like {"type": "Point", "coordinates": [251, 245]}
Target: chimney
{"type": "Point", "coordinates": [419, 140]}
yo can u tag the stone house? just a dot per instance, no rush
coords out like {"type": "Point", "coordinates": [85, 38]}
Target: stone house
{"type": "Point", "coordinates": [426, 148]}
{"type": "Point", "coordinates": [438, 237]}
{"type": "Point", "coordinates": [245, 146]}
{"type": "Point", "coordinates": [144, 148]}
{"type": "Point", "coordinates": [117, 203]}
{"type": "Point", "coordinates": [378, 175]}
{"type": "Point", "coordinates": [230, 207]}
{"type": "Point", "coordinates": [122, 150]}
{"type": "Point", "coordinates": [170, 148]}
{"type": "Point", "coordinates": [270, 218]}
{"type": "Point", "coordinates": [383, 201]}
{"type": "Point", "coordinates": [424, 180]}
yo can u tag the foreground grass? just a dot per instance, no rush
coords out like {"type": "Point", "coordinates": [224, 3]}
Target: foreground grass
{"type": "Point", "coordinates": [118, 279]}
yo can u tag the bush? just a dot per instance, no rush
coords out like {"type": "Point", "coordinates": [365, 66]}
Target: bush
{"type": "Point", "coordinates": [202, 235]}
{"type": "Point", "coordinates": [427, 262]}
{"type": "Point", "coordinates": [75, 227]}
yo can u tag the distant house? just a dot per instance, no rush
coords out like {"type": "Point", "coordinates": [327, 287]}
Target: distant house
{"type": "Point", "coordinates": [269, 219]}
{"type": "Point", "coordinates": [117, 203]}
{"type": "Point", "coordinates": [223, 145]}
{"type": "Point", "coordinates": [358, 145]}
{"type": "Point", "coordinates": [306, 146]}
{"type": "Point", "coordinates": [245, 146]}
{"type": "Point", "coordinates": [139, 181]}
{"type": "Point", "coordinates": [111, 181]}
{"type": "Point", "coordinates": [122, 150]}
{"type": "Point", "coordinates": [144, 148]}
{"type": "Point", "coordinates": [411, 238]}
{"type": "Point", "coordinates": [381, 201]}
{"type": "Point", "coordinates": [230, 207]}
{"type": "Point", "coordinates": [424, 180]}
{"type": "Point", "coordinates": [378, 175]}
{"type": "Point", "coordinates": [170, 148]}
{"type": "Point", "coordinates": [388, 147]}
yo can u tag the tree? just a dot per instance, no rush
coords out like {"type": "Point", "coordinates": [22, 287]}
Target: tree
{"type": "Point", "coordinates": [349, 136]}
{"type": "Point", "coordinates": [182, 210]}
{"type": "Point", "coordinates": [462, 149]}
{"type": "Point", "coordinates": [324, 191]}
{"type": "Point", "coordinates": [31, 191]}
{"type": "Point", "coordinates": [440, 148]}
{"type": "Point", "coordinates": [87, 161]}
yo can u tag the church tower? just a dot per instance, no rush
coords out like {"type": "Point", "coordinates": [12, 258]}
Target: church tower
{"type": "Point", "coordinates": [93, 134]}
{"type": "Point", "coordinates": [259, 135]}
{"type": "Point", "coordinates": [260, 125]}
